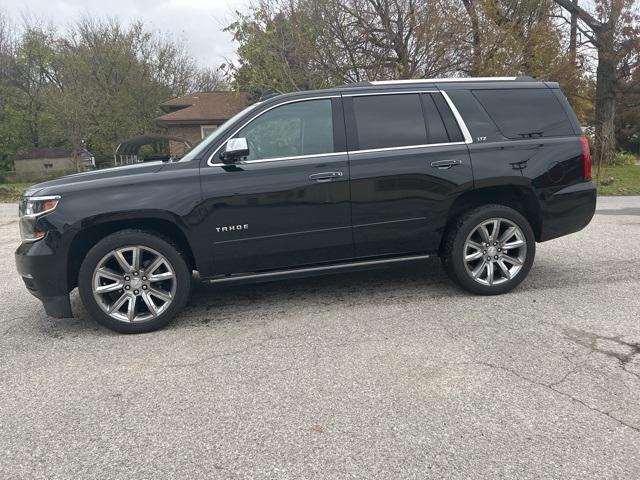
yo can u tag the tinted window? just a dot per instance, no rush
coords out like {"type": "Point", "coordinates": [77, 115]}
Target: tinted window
{"type": "Point", "coordinates": [450, 122]}
{"type": "Point", "coordinates": [389, 121]}
{"type": "Point", "coordinates": [525, 113]}
{"type": "Point", "coordinates": [437, 132]}
{"type": "Point", "coordinates": [295, 129]}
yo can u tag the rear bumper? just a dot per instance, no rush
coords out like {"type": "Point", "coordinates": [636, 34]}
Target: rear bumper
{"type": "Point", "coordinates": [568, 210]}
{"type": "Point", "coordinates": [44, 275]}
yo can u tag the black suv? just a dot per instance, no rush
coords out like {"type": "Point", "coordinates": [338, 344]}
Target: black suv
{"type": "Point", "coordinates": [474, 170]}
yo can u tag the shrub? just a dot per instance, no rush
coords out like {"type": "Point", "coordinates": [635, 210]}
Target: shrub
{"type": "Point", "coordinates": [10, 193]}
{"type": "Point", "coordinates": [624, 158]}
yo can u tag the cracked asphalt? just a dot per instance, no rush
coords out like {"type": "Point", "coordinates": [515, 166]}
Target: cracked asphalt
{"type": "Point", "coordinates": [388, 374]}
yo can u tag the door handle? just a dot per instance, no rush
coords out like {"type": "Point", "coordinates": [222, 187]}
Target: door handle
{"type": "Point", "coordinates": [325, 176]}
{"type": "Point", "coordinates": [446, 164]}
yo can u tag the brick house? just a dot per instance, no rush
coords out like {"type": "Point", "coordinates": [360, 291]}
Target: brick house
{"type": "Point", "coordinates": [193, 117]}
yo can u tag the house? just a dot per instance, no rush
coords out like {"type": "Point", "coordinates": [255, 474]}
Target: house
{"type": "Point", "coordinates": [43, 162]}
{"type": "Point", "coordinates": [194, 117]}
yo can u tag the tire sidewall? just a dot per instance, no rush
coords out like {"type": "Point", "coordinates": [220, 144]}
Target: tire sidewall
{"type": "Point", "coordinates": [456, 263]}
{"type": "Point", "coordinates": [127, 238]}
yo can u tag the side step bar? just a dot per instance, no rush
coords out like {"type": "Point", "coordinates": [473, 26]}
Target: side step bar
{"type": "Point", "coordinates": [310, 271]}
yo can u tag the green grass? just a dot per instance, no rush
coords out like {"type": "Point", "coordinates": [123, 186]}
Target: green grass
{"type": "Point", "coordinates": [619, 180]}
{"type": "Point", "coordinates": [10, 192]}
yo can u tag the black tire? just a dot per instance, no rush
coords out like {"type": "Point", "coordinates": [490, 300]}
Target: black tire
{"type": "Point", "coordinates": [124, 238]}
{"type": "Point", "coordinates": [453, 248]}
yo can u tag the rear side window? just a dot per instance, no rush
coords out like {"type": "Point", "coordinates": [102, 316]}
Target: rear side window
{"type": "Point", "coordinates": [384, 121]}
{"type": "Point", "coordinates": [450, 123]}
{"type": "Point", "coordinates": [525, 113]}
{"type": "Point", "coordinates": [437, 130]}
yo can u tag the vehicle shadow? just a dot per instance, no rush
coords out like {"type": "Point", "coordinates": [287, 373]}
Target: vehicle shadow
{"type": "Point", "coordinates": [213, 304]}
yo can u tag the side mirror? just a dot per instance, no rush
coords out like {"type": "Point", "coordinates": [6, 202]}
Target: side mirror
{"type": "Point", "coordinates": [236, 148]}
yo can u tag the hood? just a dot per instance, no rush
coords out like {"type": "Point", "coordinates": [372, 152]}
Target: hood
{"type": "Point", "coordinates": [87, 180]}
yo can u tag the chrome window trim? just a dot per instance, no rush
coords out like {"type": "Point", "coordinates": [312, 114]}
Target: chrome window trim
{"type": "Point", "coordinates": [335, 154]}
{"type": "Point", "coordinates": [278, 159]}
{"type": "Point", "coordinates": [463, 126]}
{"type": "Point", "coordinates": [352, 152]}
{"type": "Point", "coordinates": [297, 100]}
{"type": "Point", "coordinates": [443, 80]}
{"type": "Point", "coordinates": [406, 147]}
{"type": "Point", "coordinates": [394, 92]}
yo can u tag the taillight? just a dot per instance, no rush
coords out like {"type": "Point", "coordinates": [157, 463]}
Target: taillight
{"type": "Point", "coordinates": [586, 158]}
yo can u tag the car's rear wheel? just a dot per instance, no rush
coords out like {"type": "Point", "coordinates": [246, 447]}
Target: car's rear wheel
{"type": "Point", "coordinates": [489, 250]}
{"type": "Point", "coordinates": [133, 281]}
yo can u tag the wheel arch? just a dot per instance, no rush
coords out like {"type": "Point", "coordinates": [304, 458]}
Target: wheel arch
{"type": "Point", "coordinates": [520, 198]}
{"type": "Point", "coordinates": [88, 236]}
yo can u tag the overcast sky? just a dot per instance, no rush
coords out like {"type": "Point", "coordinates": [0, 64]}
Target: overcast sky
{"type": "Point", "coordinates": [197, 23]}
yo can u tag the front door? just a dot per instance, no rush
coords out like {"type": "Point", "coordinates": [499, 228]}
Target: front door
{"type": "Point", "coordinates": [409, 161]}
{"type": "Point", "coordinates": [287, 203]}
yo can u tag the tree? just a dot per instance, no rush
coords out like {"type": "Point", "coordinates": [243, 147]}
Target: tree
{"type": "Point", "coordinates": [613, 31]}
{"type": "Point", "coordinates": [100, 82]}
{"type": "Point", "coordinates": [8, 135]}
{"type": "Point", "coordinates": [30, 71]}
{"type": "Point", "coordinates": [305, 44]}
{"type": "Point", "coordinates": [276, 49]}
{"type": "Point", "coordinates": [406, 38]}
{"type": "Point", "coordinates": [628, 114]}
{"type": "Point", "coordinates": [510, 37]}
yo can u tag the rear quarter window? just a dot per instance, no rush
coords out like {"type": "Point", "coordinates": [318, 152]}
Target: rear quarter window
{"type": "Point", "coordinates": [526, 113]}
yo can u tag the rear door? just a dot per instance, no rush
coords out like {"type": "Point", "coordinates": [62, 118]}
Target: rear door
{"type": "Point", "coordinates": [409, 161]}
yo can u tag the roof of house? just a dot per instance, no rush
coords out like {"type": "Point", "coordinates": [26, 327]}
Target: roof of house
{"type": "Point", "coordinates": [35, 153]}
{"type": "Point", "coordinates": [202, 107]}
{"type": "Point", "coordinates": [42, 152]}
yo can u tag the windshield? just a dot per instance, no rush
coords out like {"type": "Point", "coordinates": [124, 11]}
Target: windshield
{"type": "Point", "coordinates": [217, 133]}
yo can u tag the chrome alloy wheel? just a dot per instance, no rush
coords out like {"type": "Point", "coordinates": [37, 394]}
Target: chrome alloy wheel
{"type": "Point", "coordinates": [495, 251]}
{"type": "Point", "coordinates": [134, 284]}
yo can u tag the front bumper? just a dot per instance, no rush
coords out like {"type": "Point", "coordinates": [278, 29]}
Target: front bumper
{"type": "Point", "coordinates": [43, 272]}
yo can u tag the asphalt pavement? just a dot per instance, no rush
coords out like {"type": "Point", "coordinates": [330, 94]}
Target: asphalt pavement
{"type": "Point", "coordinates": [388, 374]}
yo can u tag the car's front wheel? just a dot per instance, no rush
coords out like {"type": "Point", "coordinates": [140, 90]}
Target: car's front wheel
{"type": "Point", "coordinates": [134, 281]}
{"type": "Point", "coordinates": [489, 250]}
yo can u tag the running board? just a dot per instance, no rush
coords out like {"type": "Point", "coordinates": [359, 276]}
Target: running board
{"type": "Point", "coordinates": [309, 271]}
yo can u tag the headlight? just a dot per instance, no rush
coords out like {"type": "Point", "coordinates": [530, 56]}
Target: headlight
{"type": "Point", "coordinates": [31, 208]}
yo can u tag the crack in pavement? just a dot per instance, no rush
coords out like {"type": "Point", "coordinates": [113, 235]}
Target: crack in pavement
{"type": "Point", "coordinates": [590, 341]}
{"type": "Point", "coordinates": [555, 390]}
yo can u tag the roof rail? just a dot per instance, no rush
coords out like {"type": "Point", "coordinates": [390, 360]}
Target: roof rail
{"type": "Point", "coordinates": [266, 95]}
{"type": "Point", "coordinates": [454, 80]}
{"type": "Point", "coordinates": [364, 83]}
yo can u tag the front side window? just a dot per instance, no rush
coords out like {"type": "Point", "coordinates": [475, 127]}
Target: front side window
{"type": "Point", "coordinates": [385, 121]}
{"type": "Point", "coordinates": [291, 130]}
